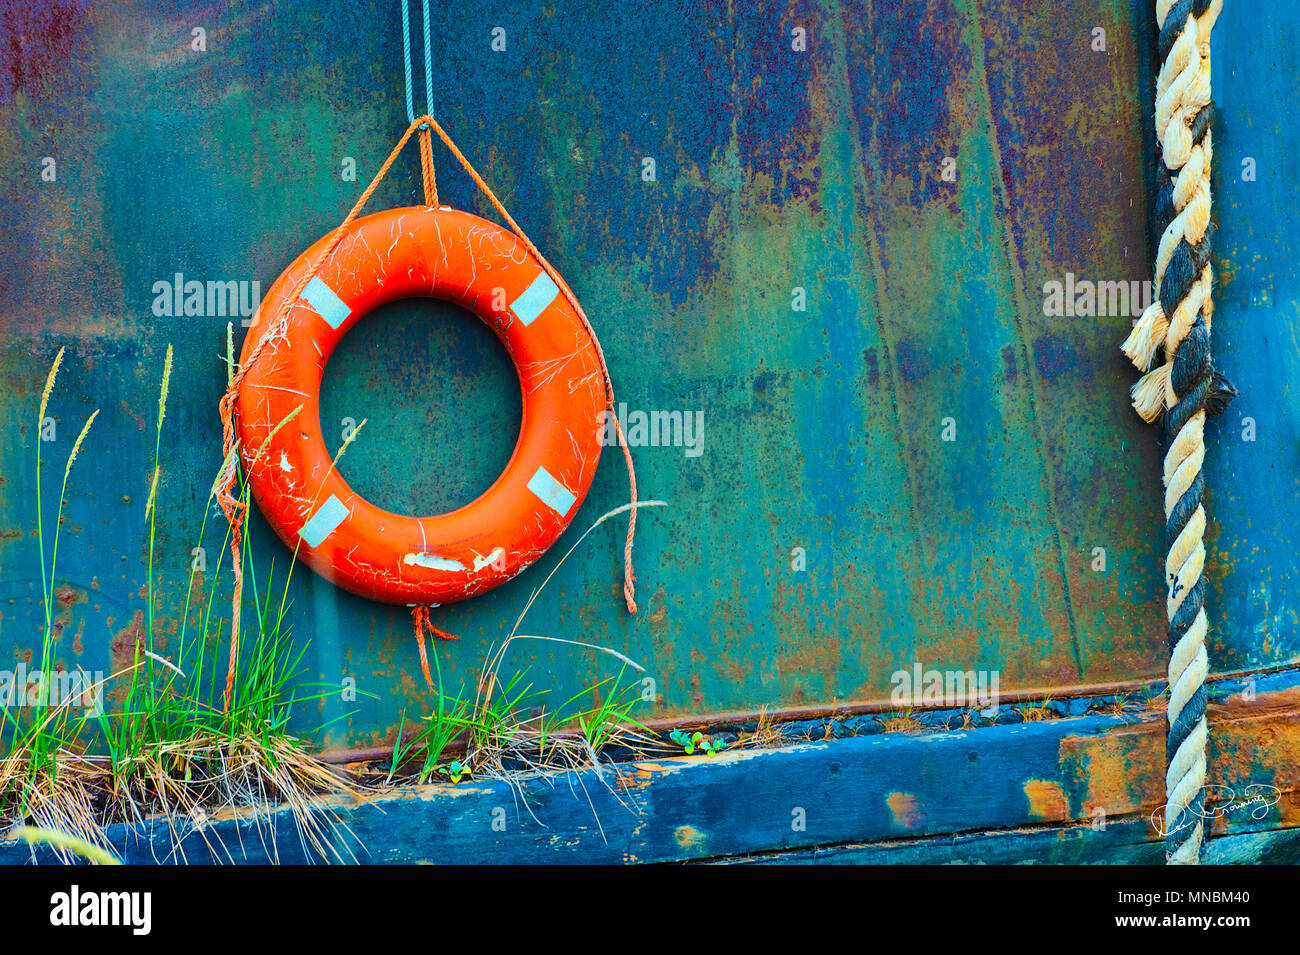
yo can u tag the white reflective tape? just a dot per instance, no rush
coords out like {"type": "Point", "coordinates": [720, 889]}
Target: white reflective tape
{"type": "Point", "coordinates": [480, 561]}
{"type": "Point", "coordinates": [432, 561]}
{"type": "Point", "coordinates": [325, 302]}
{"type": "Point", "coordinates": [324, 522]}
{"type": "Point", "coordinates": [551, 492]}
{"type": "Point", "coordinates": [535, 299]}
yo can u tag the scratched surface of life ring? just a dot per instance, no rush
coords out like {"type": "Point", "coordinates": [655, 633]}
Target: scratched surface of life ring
{"type": "Point", "coordinates": [436, 559]}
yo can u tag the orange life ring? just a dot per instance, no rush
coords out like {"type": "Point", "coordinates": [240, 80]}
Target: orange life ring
{"type": "Point", "coordinates": [404, 253]}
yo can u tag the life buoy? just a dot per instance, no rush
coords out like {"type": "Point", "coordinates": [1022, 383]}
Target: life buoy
{"type": "Point", "coordinates": [458, 257]}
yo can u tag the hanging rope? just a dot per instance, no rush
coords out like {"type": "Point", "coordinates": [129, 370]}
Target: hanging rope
{"type": "Point", "coordinates": [420, 615]}
{"type": "Point", "coordinates": [406, 61]}
{"type": "Point", "coordinates": [629, 587]}
{"type": "Point", "coordinates": [426, 147]}
{"type": "Point", "coordinates": [1185, 388]}
{"type": "Point", "coordinates": [235, 507]}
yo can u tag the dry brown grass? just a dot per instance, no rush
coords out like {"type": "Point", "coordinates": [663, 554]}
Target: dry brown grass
{"type": "Point", "coordinates": [765, 735]}
{"type": "Point", "coordinates": [1038, 714]}
{"type": "Point", "coordinates": [186, 784]}
{"type": "Point", "coordinates": [904, 722]}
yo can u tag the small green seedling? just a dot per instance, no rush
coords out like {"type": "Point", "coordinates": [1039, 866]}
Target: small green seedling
{"type": "Point", "coordinates": [456, 771]}
{"type": "Point", "coordinates": [690, 742]}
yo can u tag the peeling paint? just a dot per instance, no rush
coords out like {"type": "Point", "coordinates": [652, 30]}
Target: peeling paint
{"type": "Point", "coordinates": [433, 561]}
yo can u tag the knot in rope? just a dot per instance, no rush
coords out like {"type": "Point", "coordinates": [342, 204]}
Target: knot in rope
{"type": "Point", "coordinates": [1185, 388]}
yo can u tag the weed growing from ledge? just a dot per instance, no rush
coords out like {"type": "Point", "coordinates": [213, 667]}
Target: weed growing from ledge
{"type": "Point", "coordinates": [690, 742]}
{"type": "Point", "coordinates": [177, 749]}
{"type": "Point", "coordinates": [172, 747]}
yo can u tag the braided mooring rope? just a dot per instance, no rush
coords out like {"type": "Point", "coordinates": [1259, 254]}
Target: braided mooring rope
{"type": "Point", "coordinates": [1186, 388]}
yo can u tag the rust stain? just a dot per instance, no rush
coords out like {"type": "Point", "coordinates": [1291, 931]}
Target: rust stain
{"type": "Point", "coordinates": [67, 596]}
{"type": "Point", "coordinates": [1046, 799]}
{"type": "Point", "coordinates": [688, 837]}
{"type": "Point", "coordinates": [1246, 755]}
{"type": "Point", "coordinates": [1254, 743]}
{"type": "Point", "coordinates": [1121, 771]}
{"type": "Point", "coordinates": [123, 649]}
{"type": "Point", "coordinates": [139, 419]}
{"type": "Point", "coordinates": [844, 120]}
{"type": "Point", "coordinates": [1280, 702]}
{"type": "Point", "coordinates": [906, 810]}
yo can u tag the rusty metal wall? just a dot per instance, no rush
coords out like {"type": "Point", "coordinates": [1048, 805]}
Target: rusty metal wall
{"type": "Point", "coordinates": [1252, 468]}
{"type": "Point", "coordinates": [827, 534]}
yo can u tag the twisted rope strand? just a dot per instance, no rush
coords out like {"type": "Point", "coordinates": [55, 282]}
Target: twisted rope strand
{"type": "Point", "coordinates": [406, 60]}
{"type": "Point", "coordinates": [426, 169]}
{"type": "Point", "coordinates": [420, 618]}
{"type": "Point", "coordinates": [1186, 389]}
{"type": "Point", "coordinates": [426, 149]}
